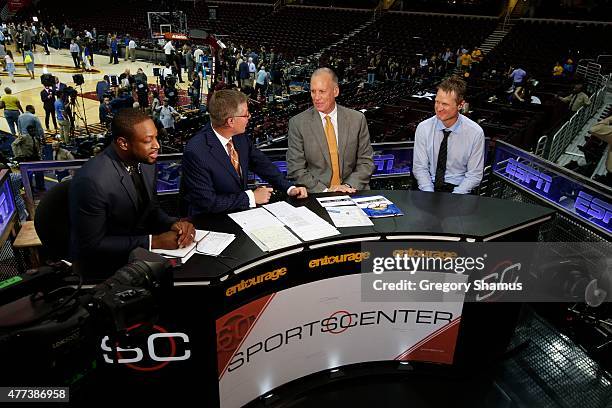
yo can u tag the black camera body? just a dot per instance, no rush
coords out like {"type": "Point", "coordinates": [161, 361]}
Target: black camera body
{"type": "Point", "coordinates": [51, 331]}
{"type": "Point", "coordinates": [70, 92]}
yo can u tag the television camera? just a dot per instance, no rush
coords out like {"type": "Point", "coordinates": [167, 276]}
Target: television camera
{"type": "Point", "coordinates": [50, 326]}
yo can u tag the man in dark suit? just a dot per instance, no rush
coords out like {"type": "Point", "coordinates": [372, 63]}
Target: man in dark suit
{"type": "Point", "coordinates": [329, 145]}
{"type": "Point", "coordinates": [113, 208]}
{"type": "Point", "coordinates": [217, 159]}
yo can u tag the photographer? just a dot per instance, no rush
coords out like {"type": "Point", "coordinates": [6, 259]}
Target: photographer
{"type": "Point", "coordinates": [107, 223]}
{"type": "Point", "coordinates": [62, 116]}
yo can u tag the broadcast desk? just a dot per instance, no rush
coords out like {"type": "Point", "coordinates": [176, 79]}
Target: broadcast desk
{"type": "Point", "coordinates": [250, 322]}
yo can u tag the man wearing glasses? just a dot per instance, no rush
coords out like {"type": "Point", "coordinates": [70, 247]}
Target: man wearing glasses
{"type": "Point", "coordinates": [217, 160]}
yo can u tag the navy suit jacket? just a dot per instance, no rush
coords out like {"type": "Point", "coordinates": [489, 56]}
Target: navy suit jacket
{"type": "Point", "coordinates": [105, 222]}
{"type": "Point", "coordinates": [210, 182]}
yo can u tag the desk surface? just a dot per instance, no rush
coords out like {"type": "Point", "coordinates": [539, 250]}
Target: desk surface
{"type": "Point", "coordinates": [27, 236]}
{"type": "Point", "coordinates": [427, 216]}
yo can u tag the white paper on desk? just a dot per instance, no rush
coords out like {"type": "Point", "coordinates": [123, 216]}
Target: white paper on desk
{"type": "Point", "coordinates": [273, 237]}
{"type": "Point", "coordinates": [183, 253]}
{"type": "Point", "coordinates": [254, 219]}
{"type": "Point", "coordinates": [214, 243]}
{"type": "Point", "coordinates": [303, 222]}
{"type": "Point", "coordinates": [348, 216]}
{"type": "Point", "coordinates": [335, 201]}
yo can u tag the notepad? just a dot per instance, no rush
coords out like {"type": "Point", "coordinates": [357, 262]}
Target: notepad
{"type": "Point", "coordinates": [205, 242]}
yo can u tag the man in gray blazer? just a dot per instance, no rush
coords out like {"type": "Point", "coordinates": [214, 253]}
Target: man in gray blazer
{"type": "Point", "coordinates": [329, 145]}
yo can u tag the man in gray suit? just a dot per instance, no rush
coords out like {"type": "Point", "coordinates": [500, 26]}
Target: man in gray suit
{"type": "Point", "coordinates": [329, 145]}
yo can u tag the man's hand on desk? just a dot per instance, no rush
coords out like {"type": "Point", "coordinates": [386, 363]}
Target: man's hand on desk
{"type": "Point", "coordinates": [167, 240]}
{"type": "Point", "coordinates": [298, 192]}
{"type": "Point", "coordinates": [262, 195]}
{"type": "Point", "coordinates": [342, 188]}
{"type": "Point", "coordinates": [185, 231]}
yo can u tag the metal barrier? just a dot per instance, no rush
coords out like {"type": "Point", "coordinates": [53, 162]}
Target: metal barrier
{"type": "Point", "coordinates": [541, 146]}
{"type": "Point", "coordinates": [574, 125]}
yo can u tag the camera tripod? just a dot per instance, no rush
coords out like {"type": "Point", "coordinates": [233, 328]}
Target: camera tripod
{"type": "Point", "coordinates": [74, 109]}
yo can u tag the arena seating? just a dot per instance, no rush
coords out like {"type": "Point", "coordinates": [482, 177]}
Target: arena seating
{"type": "Point", "coordinates": [300, 31]}
{"type": "Point", "coordinates": [556, 41]}
{"type": "Point", "coordinates": [407, 36]}
{"type": "Point", "coordinates": [229, 17]}
{"type": "Point", "coordinates": [473, 7]}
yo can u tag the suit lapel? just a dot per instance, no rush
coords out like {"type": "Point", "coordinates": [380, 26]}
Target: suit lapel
{"type": "Point", "coordinates": [241, 146]}
{"type": "Point", "coordinates": [342, 137]}
{"type": "Point", "coordinates": [319, 134]}
{"type": "Point", "coordinates": [146, 177]}
{"type": "Point", "coordinates": [126, 180]}
{"type": "Point", "coordinates": [220, 155]}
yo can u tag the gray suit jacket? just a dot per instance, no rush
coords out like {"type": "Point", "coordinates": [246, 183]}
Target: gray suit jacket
{"type": "Point", "coordinates": [308, 161]}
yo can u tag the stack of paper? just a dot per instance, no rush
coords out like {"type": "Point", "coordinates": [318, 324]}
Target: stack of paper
{"type": "Point", "coordinates": [344, 212]}
{"type": "Point", "coordinates": [214, 243]}
{"type": "Point", "coordinates": [303, 222]}
{"type": "Point", "coordinates": [264, 229]}
{"type": "Point", "coordinates": [205, 242]}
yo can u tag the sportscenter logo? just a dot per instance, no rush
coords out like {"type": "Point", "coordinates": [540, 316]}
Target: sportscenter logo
{"type": "Point", "coordinates": [356, 257]}
{"type": "Point", "coordinates": [337, 323]}
{"type": "Point", "coordinates": [257, 280]}
{"type": "Point", "coordinates": [161, 349]}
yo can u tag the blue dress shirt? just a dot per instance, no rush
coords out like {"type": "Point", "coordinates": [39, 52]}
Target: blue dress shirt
{"type": "Point", "coordinates": [465, 158]}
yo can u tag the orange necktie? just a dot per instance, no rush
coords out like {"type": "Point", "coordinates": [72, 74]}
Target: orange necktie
{"type": "Point", "coordinates": [330, 135]}
{"type": "Point", "coordinates": [233, 154]}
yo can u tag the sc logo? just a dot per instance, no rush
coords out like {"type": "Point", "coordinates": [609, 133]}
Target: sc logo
{"type": "Point", "coordinates": [158, 350]}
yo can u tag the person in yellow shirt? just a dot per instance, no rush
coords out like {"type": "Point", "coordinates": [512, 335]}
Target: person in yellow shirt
{"type": "Point", "coordinates": [476, 55]}
{"type": "Point", "coordinates": [557, 71]}
{"type": "Point", "coordinates": [466, 61]}
{"type": "Point", "coordinates": [12, 108]}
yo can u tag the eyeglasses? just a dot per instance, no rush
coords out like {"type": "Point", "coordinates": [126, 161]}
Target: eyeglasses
{"type": "Point", "coordinates": [248, 116]}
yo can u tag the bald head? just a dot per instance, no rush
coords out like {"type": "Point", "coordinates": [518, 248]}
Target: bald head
{"type": "Point", "coordinates": [324, 90]}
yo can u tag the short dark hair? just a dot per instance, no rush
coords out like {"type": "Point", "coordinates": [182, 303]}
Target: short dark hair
{"type": "Point", "coordinates": [30, 108]}
{"type": "Point", "coordinates": [456, 85]}
{"type": "Point", "coordinates": [224, 104]}
{"type": "Point", "coordinates": [124, 121]}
